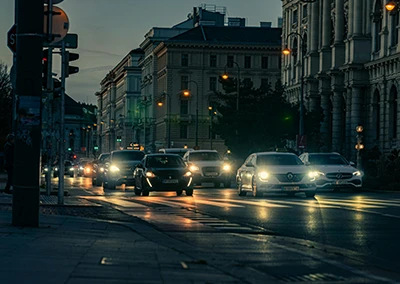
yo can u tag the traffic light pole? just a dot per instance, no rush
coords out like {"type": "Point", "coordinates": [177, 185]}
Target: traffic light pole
{"type": "Point", "coordinates": [61, 166]}
{"type": "Point", "coordinates": [49, 89]}
{"type": "Point", "coordinates": [25, 205]}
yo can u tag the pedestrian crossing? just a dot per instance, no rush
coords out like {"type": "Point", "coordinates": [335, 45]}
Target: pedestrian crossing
{"type": "Point", "coordinates": [357, 203]}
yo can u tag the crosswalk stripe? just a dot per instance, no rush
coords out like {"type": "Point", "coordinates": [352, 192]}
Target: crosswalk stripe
{"type": "Point", "coordinates": [341, 203]}
{"type": "Point", "coordinates": [257, 203]}
{"type": "Point", "coordinates": [115, 201]}
{"type": "Point", "coordinates": [190, 201]}
{"type": "Point", "coordinates": [367, 201]}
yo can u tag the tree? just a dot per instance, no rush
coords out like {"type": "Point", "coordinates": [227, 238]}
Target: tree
{"type": "Point", "coordinates": [5, 103]}
{"type": "Point", "coordinates": [264, 121]}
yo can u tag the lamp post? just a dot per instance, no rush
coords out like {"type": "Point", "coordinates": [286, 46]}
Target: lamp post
{"type": "Point", "coordinates": [225, 76]}
{"type": "Point", "coordinates": [390, 5]}
{"type": "Point", "coordinates": [186, 93]}
{"type": "Point", "coordinates": [359, 145]}
{"type": "Point", "coordinates": [211, 113]}
{"type": "Point", "coordinates": [160, 104]}
{"type": "Point", "coordinates": [287, 51]}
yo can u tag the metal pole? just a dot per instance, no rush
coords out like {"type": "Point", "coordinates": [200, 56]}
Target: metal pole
{"type": "Point", "coordinates": [197, 114]}
{"type": "Point", "coordinates": [25, 204]}
{"type": "Point", "coordinates": [144, 126]}
{"type": "Point", "coordinates": [301, 126]}
{"type": "Point", "coordinates": [211, 121]}
{"type": "Point", "coordinates": [237, 88]}
{"type": "Point", "coordinates": [61, 167]}
{"type": "Point", "coordinates": [169, 119]}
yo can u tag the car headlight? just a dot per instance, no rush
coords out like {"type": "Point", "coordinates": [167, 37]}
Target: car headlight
{"type": "Point", "coordinates": [101, 169]}
{"type": "Point", "coordinates": [150, 174]}
{"type": "Point", "coordinates": [263, 175]}
{"type": "Point", "coordinates": [81, 168]}
{"type": "Point", "coordinates": [357, 173]}
{"type": "Point", "coordinates": [226, 168]}
{"type": "Point", "coordinates": [114, 169]}
{"type": "Point", "coordinates": [56, 169]}
{"type": "Point", "coordinates": [71, 169]}
{"type": "Point", "coordinates": [46, 169]}
{"type": "Point", "coordinates": [313, 175]}
{"type": "Point", "coordinates": [194, 168]}
{"type": "Point", "coordinates": [188, 174]}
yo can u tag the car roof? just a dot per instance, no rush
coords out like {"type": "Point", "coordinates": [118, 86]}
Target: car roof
{"type": "Point", "coordinates": [275, 153]}
{"type": "Point", "coordinates": [121, 151]}
{"type": "Point", "coordinates": [203, 151]}
{"type": "Point", "coordinates": [324, 153]}
{"type": "Point", "coordinates": [162, 154]}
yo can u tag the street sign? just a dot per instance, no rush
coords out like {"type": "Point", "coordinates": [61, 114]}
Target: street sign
{"type": "Point", "coordinates": [12, 39]}
{"type": "Point", "coordinates": [70, 40]}
{"type": "Point", "coordinates": [301, 141]}
{"type": "Point", "coordinates": [60, 23]}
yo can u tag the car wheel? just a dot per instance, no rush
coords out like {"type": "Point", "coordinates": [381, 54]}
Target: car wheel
{"type": "Point", "coordinates": [93, 182]}
{"type": "Point", "coordinates": [256, 193]}
{"type": "Point", "coordinates": [145, 193]}
{"type": "Point", "coordinates": [240, 189]}
{"type": "Point", "coordinates": [138, 192]}
{"type": "Point", "coordinates": [179, 192]}
{"type": "Point", "coordinates": [105, 185]}
{"type": "Point", "coordinates": [111, 185]}
{"type": "Point", "coordinates": [189, 191]}
{"type": "Point", "coordinates": [71, 175]}
{"type": "Point", "coordinates": [310, 194]}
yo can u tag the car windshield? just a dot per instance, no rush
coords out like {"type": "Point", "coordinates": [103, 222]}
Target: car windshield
{"type": "Point", "coordinates": [327, 160]}
{"type": "Point", "coordinates": [103, 157]}
{"type": "Point", "coordinates": [205, 156]}
{"type": "Point", "coordinates": [128, 156]}
{"type": "Point", "coordinates": [278, 160]}
{"type": "Point", "coordinates": [177, 152]}
{"type": "Point", "coordinates": [164, 162]}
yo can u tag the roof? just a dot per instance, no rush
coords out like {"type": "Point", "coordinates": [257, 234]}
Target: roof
{"type": "Point", "coordinates": [233, 35]}
{"type": "Point", "coordinates": [275, 153]}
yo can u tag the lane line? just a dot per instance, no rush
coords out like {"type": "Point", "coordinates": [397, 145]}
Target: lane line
{"type": "Point", "coordinates": [115, 201]}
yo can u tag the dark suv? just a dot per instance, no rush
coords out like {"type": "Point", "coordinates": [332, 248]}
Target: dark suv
{"type": "Point", "coordinates": [119, 169]}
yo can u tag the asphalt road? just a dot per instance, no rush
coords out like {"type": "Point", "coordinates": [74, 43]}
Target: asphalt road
{"type": "Point", "coordinates": [365, 223]}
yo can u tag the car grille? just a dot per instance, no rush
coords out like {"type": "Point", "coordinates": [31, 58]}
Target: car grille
{"type": "Point", "coordinates": [127, 171]}
{"type": "Point", "coordinates": [289, 178]}
{"type": "Point", "coordinates": [339, 175]}
{"type": "Point", "coordinates": [211, 171]}
{"type": "Point", "coordinates": [169, 174]}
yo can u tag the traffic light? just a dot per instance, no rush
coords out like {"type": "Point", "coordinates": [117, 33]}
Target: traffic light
{"type": "Point", "coordinates": [45, 67]}
{"type": "Point", "coordinates": [69, 56]}
{"type": "Point", "coordinates": [119, 139]}
{"type": "Point", "coordinates": [96, 148]}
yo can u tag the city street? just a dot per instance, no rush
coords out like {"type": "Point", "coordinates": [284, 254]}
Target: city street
{"type": "Point", "coordinates": [360, 226]}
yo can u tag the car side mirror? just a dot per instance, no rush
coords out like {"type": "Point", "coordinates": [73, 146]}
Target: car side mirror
{"type": "Point", "coordinates": [352, 164]}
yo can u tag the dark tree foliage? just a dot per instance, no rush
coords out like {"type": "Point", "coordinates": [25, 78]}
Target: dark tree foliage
{"type": "Point", "coordinates": [5, 103]}
{"type": "Point", "coordinates": [264, 121]}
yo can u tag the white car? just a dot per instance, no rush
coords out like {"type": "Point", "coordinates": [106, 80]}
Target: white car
{"type": "Point", "coordinates": [275, 172]}
{"type": "Point", "coordinates": [335, 170]}
{"type": "Point", "coordinates": [208, 166]}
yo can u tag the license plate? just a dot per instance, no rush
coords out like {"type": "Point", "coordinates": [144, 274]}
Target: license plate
{"type": "Point", "coordinates": [291, 188]}
{"type": "Point", "coordinates": [341, 182]}
{"type": "Point", "coordinates": [211, 174]}
{"type": "Point", "coordinates": [170, 181]}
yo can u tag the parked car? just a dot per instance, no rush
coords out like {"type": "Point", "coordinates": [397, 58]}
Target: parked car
{"type": "Point", "coordinates": [163, 172]}
{"type": "Point", "coordinates": [275, 172]}
{"type": "Point", "coordinates": [336, 171]}
{"type": "Point", "coordinates": [98, 169]}
{"type": "Point", "coordinates": [208, 166]}
{"type": "Point", "coordinates": [68, 169]}
{"type": "Point", "coordinates": [179, 151]}
{"type": "Point", "coordinates": [119, 169]}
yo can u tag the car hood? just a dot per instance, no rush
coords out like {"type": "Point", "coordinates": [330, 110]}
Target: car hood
{"type": "Point", "coordinates": [285, 169]}
{"type": "Point", "coordinates": [207, 163]}
{"type": "Point", "coordinates": [125, 164]}
{"type": "Point", "coordinates": [178, 169]}
{"type": "Point", "coordinates": [334, 168]}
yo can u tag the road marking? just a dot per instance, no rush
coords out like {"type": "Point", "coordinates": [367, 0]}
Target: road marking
{"type": "Point", "coordinates": [261, 203]}
{"type": "Point", "coordinates": [368, 201]}
{"type": "Point", "coordinates": [188, 202]}
{"type": "Point", "coordinates": [342, 203]}
{"type": "Point", "coordinates": [115, 201]}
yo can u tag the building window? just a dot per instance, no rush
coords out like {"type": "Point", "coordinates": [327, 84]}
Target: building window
{"type": "Point", "coordinates": [184, 82]}
{"type": "Point", "coordinates": [213, 83]}
{"type": "Point", "coordinates": [247, 62]}
{"type": "Point", "coordinates": [213, 61]}
{"type": "Point", "coordinates": [183, 133]}
{"type": "Point", "coordinates": [305, 14]}
{"type": "Point", "coordinates": [264, 84]}
{"type": "Point", "coordinates": [377, 19]}
{"type": "Point", "coordinates": [185, 59]}
{"type": "Point", "coordinates": [230, 61]}
{"type": "Point", "coordinates": [295, 18]}
{"type": "Point", "coordinates": [247, 83]}
{"type": "Point", "coordinates": [376, 114]}
{"type": "Point", "coordinates": [184, 107]}
{"type": "Point", "coordinates": [264, 62]}
{"type": "Point", "coordinates": [393, 113]}
{"type": "Point", "coordinates": [394, 29]}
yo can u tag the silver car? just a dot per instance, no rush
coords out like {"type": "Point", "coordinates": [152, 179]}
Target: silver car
{"type": "Point", "coordinates": [275, 172]}
{"type": "Point", "coordinates": [336, 171]}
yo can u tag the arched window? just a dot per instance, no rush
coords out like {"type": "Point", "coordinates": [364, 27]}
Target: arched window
{"type": "Point", "coordinates": [295, 54]}
{"type": "Point", "coordinates": [377, 27]}
{"type": "Point", "coordinates": [393, 112]}
{"type": "Point", "coordinates": [376, 113]}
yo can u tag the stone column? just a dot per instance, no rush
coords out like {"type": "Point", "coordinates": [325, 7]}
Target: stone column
{"type": "Point", "coordinates": [337, 139]}
{"type": "Point", "coordinates": [349, 136]}
{"type": "Point", "coordinates": [325, 93]}
{"type": "Point", "coordinates": [314, 26]}
{"type": "Point", "coordinates": [356, 105]}
{"type": "Point", "coordinates": [358, 17]}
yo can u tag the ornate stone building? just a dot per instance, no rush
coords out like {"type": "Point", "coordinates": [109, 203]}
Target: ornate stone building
{"type": "Point", "coordinates": [350, 53]}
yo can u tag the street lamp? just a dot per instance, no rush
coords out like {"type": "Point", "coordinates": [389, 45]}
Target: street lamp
{"type": "Point", "coordinates": [211, 113]}
{"type": "Point", "coordinates": [359, 145]}
{"type": "Point", "coordinates": [287, 51]}
{"type": "Point", "coordinates": [160, 104]}
{"type": "Point", "coordinates": [390, 5]}
{"type": "Point", "coordinates": [225, 76]}
{"type": "Point", "coordinates": [187, 93]}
